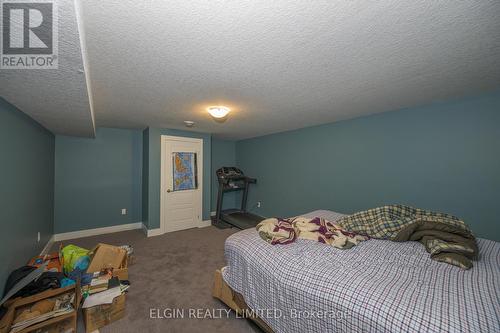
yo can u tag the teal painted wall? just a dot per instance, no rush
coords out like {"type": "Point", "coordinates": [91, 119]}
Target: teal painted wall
{"type": "Point", "coordinates": [26, 190]}
{"type": "Point", "coordinates": [96, 178]}
{"type": "Point", "coordinates": [153, 160]}
{"type": "Point", "coordinates": [444, 157]}
{"type": "Point", "coordinates": [223, 154]}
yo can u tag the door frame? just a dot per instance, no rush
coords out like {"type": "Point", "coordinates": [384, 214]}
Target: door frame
{"type": "Point", "coordinates": [163, 179]}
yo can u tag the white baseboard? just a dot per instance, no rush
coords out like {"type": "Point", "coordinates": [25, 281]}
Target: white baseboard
{"type": "Point", "coordinates": [108, 230]}
{"type": "Point", "coordinates": [158, 231]}
{"type": "Point", "coordinates": [206, 223]}
{"type": "Point", "coordinates": [155, 232]}
{"type": "Point", "coordinates": [96, 231]}
{"type": "Point", "coordinates": [144, 229]}
{"type": "Point", "coordinates": [48, 246]}
{"type": "Point", "coordinates": [151, 232]}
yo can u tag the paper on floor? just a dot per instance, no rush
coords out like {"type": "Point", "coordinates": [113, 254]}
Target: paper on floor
{"type": "Point", "coordinates": [104, 297]}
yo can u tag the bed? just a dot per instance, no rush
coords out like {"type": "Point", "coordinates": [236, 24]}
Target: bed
{"type": "Point", "coordinates": [377, 286]}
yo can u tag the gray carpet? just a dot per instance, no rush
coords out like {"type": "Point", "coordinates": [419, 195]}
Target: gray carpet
{"type": "Point", "coordinates": [173, 271]}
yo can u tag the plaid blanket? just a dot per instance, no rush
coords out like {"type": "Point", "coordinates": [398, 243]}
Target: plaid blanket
{"type": "Point", "coordinates": [285, 231]}
{"type": "Point", "coordinates": [446, 237]}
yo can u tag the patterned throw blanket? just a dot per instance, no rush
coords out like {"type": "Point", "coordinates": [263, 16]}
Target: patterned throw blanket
{"type": "Point", "coordinates": [285, 231]}
{"type": "Point", "coordinates": [446, 237]}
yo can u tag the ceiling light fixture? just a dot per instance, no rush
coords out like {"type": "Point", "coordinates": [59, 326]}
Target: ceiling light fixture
{"type": "Point", "coordinates": [218, 111]}
{"type": "Point", "coordinates": [188, 123]}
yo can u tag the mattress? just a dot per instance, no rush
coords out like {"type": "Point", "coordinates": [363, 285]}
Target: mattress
{"type": "Point", "coordinates": [377, 286]}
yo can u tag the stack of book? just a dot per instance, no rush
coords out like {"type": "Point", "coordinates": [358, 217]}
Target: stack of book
{"type": "Point", "coordinates": [101, 284]}
{"type": "Point", "coordinates": [103, 281]}
{"type": "Point", "coordinates": [103, 288]}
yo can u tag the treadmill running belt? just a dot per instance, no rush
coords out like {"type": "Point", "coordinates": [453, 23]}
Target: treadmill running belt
{"type": "Point", "coordinates": [242, 220]}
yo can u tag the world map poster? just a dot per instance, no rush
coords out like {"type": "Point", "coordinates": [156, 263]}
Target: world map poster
{"type": "Point", "coordinates": [185, 172]}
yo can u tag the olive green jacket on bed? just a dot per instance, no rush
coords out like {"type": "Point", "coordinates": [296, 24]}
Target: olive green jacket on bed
{"type": "Point", "coordinates": [446, 237]}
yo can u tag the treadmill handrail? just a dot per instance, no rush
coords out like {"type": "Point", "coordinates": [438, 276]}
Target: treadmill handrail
{"type": "Point", "coordinates": [234, 177]}
{"type": "Point", "coordinates": [246, 179]}
{"type": "Point", "coordinates": [251, 180]}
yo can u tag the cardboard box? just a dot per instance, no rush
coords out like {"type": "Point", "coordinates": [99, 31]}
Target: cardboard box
{"type": "Point", "coordinates": [122, 271]}
{"type": "Point", "coordinates": [67, 320]}
{"type": "Point", "coordinates": [102, 315]}
{"type": "Point", "coordinates": [109, 256]}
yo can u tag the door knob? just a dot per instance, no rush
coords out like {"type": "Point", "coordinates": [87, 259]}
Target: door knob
{"type": "Point", "coordinates": [169, 190]}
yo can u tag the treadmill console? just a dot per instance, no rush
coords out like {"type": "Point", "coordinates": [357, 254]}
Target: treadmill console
{"type": "Point", "coordinates": [229, 172]}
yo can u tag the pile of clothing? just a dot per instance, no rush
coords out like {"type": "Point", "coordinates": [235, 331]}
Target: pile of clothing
{"type": "Point", "coordinates": [447, 238]}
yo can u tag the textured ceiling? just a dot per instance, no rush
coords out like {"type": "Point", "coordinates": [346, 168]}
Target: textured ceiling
{"type": "Point", "coordinates": [283, 64]}
{"type": "Point", "coordinates": [56, 98]}
{"type": "Point", "coordinates": [279, 64]}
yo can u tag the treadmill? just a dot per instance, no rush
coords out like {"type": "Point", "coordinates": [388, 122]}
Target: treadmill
{"type": "Point", "coordinates": [233, 179]}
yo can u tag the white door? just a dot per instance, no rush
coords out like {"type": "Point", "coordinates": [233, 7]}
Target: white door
{"type": "Point", "coordinates": [181, 178]}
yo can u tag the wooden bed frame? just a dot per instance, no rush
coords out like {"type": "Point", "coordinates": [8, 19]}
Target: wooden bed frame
{"type": "Point", "coordinates": [235, 301]}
